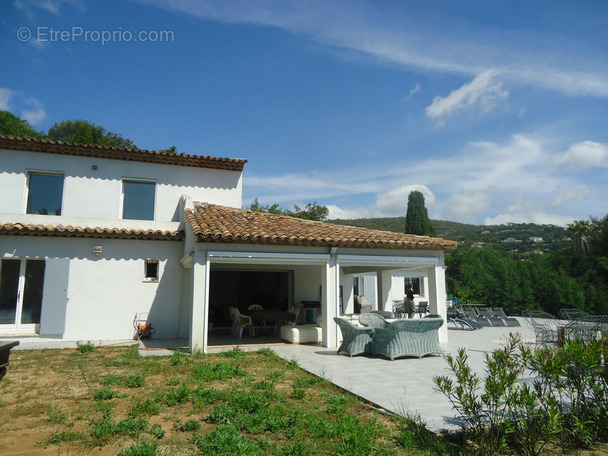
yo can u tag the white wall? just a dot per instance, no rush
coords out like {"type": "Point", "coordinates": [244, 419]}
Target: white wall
{"type": "Point", "coordinates": [307, 283]}
{"type": "Point", "coordinates": [104, 292]}
{"type": "Point", "coordinates": [398, 285]}
{"type": "Point", "coordinates": [96, 193]}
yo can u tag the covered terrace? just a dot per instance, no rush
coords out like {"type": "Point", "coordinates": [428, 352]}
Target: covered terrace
{"type": "Point", "coordinates": [317, 261]}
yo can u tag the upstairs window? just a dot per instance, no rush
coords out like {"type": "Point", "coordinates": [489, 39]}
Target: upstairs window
{"type": "Point", "coordinates": [45, 194]}
{"type": "Point", "coordinates": [138, 200]}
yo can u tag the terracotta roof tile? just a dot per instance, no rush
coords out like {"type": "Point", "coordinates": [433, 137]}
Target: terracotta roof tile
{"type": "Point", "coordinates": [21, 229]}
{"type": "Point", "coordinates": [213, 223]}
{"type": "Point", "coordinates": [118, 153]}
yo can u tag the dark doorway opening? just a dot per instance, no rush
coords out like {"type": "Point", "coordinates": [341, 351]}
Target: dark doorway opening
{"type": "Point", "coordinates": [241, 289]}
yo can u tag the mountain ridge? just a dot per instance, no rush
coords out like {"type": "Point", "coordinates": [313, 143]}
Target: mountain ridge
{"type": "Point", "coordinates": [523, 238]}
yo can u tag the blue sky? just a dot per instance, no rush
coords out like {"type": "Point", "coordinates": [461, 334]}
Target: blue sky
{"type": "Point", "coordinates": [496, 111]}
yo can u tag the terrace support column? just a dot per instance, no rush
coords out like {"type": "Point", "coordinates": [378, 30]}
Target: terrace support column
{"type": "Point", "coordinates": [199, 318]}
{"type": "Point", "coordinates": [385, 282]}
{"type": "Point", "coordinates": [330, 301]}
{"type": "Point", "coordinates": [437, 296]}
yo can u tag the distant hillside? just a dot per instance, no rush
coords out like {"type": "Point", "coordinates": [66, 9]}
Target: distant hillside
{"type": "Point", "coordinates": [521, 238]}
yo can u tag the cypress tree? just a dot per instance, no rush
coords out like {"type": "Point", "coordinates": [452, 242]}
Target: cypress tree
{"type": "Point", "coordinates": [417, 217]}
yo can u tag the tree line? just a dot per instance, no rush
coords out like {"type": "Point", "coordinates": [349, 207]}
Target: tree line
{"type": "Point", "coordinates": [574, 277]}
{"type": "Point", "coordinates": [78, 131]}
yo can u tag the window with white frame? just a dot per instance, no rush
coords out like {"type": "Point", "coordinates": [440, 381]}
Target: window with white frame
{"type": "Point", "coordinates": [44, 193]}
{"type": "Point", "coordinates": [138, 200]}
{"type": "Point", "coordinates": [151, 271]}
{"type": "Point", "coordinates": [417, 283]}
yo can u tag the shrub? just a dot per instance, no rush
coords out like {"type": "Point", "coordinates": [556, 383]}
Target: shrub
{"type": "Point", "coordinates": [565, 401]}
{"type": "Point", "coordinates": [219, 371]}
{"type": "Point", "coordinates": [188, 426]}
{"type": "Point", "coordinates": [177, 395]}
{"type": "Point", "coordinates": [157, 431]}
{"type": "Point", "coordinates": [236, 352]}
{"type": "Point", "coordinates": [104, 394]}
{"type": "Point", "coordinates": [268, 352]}
{"type": "Point", "coordinates": [226, 440]}
{"type": "Point", "coordinates": [85, 347]}
{"type": "Point", "coordinates": [66, 436]}
{"type": "Point", "coordinates": [144, 407]}
{"type": "Point", "coordinates": [135, 381]}
{"type": "Point", "coordinates": [140, 449]}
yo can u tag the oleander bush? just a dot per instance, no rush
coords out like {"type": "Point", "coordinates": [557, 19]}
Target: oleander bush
{"type": "Point", "coordinates": [531, 398]}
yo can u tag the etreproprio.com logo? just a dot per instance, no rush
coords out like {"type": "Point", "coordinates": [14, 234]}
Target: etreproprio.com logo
{"type": "Point", "coordinates": [73, 34]}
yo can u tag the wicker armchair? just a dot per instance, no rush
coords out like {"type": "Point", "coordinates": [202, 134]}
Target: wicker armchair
{"type": "Point", "coordinates": [544, 325]}
{"type": "Point", "coordinates": [355, 339]}
{"type": "Point", "coordinates": [417, 338]}
{"type": "Point", "coordinates": [372, 320]}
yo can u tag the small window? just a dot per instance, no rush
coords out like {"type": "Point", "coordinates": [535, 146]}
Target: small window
{"type": "Point", "coordinates": [45, 194]}
{"type": "Point", "coordinates": [417, 283]}
{"type": "Point", "coordinates": [138, 200]}
{"type": "Point", "coordinates": [151, 270]}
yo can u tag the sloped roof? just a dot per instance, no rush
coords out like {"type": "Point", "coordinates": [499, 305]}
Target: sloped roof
{"type": "Point", "coordinates": [119, 153]}
{"type": "Point", "coordinates": [22, 229]}
{"type": "Point", "coordinates": [221, 224]}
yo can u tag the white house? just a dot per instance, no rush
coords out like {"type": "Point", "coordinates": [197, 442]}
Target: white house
{"type": "Point", "coordinates": [92, 235]}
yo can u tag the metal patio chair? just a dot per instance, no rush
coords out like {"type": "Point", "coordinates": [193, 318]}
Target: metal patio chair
{"type": "Point", "coordinates": [545, 326]}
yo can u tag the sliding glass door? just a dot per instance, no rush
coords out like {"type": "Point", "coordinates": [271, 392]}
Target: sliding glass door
{"type": "Point", "coordinates": [21, 284]}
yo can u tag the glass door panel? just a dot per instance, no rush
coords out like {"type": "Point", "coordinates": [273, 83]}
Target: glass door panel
{"type": "Point", "coordinates": [9, 290]}
{"type": "Point", "coordinates": [32, 294]}
{"type": "Point", "coordinates": [21, 283]}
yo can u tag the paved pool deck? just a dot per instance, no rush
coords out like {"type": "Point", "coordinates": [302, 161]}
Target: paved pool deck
{"type": "Point", "coordinates": [403, 386]}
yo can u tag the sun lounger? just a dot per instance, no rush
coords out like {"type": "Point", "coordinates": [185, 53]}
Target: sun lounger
{"type": "Point", "coordinates": [509, 321]}
{"type": "Point", "coordinates": [493, 319]}
{"type": "Point", "coordinates": [470, 314]}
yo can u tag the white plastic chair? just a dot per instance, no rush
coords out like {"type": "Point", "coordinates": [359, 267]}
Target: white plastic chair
{"type": "Point", "coordinates": [240, 322]}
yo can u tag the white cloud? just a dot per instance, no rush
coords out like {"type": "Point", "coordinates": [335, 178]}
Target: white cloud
{"type": "Point", "coordinates": [411, 38]}
{"type": "Point", "coordinates": [466, 206]}
{"type": "Point", "coordinates": [583, 155]}
{"type": "Point", "coordinates": [35, 114]}
{"type": "Point", "coordinates": [393, 203]}
{"type": "Point", "coordinates": [52, 6]}
{"type": "Point", "coordinates": [413, 91]}
{"type": "Point", "coordinates": [336, 212]}
{"type": "Point", "coordinates": [484, 93]}
{"type": "Point", "coordinates": [5, 98]}
{"type": "Point", "coordinates": [486, 181]}
{"type": "Point", "coordinates": [540, 218]}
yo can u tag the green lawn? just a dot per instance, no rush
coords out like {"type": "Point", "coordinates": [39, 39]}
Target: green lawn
{"type": "Point", "coordinates": [111, 401]}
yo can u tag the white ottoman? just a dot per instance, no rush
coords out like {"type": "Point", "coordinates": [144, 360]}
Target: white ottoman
{"type": "Point", "coordinates": [302, 334]}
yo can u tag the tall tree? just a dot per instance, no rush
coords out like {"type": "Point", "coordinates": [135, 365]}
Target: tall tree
{"type": "Point", "coordinates": [12, 125]}
{"type": "Point", "coordinates": [582, 231]}
{"type": "Point", "coordinates": [417, 217]}
{"type": "Point", "coordinates": [85, 132]}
